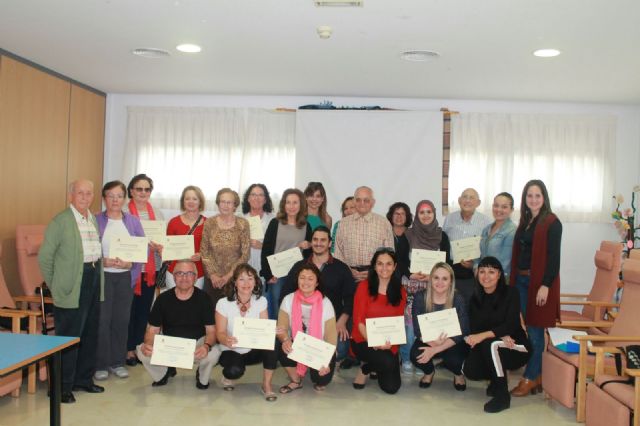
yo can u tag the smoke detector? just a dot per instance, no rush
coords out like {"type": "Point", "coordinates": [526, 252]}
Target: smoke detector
{"type": "Point", "coordinates": [324, 31]}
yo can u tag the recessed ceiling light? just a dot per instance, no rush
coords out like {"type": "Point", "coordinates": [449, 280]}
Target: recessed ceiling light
{"type": "Point", "coordinates": [189, 48]}
{"type": "Point", "coordinates": [419, 55]}
{"type": "Point", "coordinates": [150, 52]}
{"type": "Point", "coordinates": [338, 3]}
{"type": "Point", "coordinates": [546, 53]}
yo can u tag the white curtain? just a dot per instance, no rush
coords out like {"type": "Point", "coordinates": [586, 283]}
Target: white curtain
{"type": "Point", "coordinates": [573, 155]}
{"type": "Point", "coordinates": [211, 148]}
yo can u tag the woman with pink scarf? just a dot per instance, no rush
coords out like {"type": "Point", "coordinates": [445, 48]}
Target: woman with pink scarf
{"type": "Point", "coordinates": [306, 310]}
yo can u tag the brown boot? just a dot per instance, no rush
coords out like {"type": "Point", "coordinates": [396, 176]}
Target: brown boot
{"type": "Point", "coordinates": [526, 387]}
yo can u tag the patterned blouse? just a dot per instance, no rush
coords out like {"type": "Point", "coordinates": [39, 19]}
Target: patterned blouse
{"type": "Point", "coordinates": [224, 249]}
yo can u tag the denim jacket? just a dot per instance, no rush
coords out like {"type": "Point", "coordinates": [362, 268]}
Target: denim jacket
{"type": "Point", "coordinates": [499, 245]}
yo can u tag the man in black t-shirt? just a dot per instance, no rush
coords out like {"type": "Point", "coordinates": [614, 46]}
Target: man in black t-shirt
{"type": "Point", "coordinates": [184, 311]}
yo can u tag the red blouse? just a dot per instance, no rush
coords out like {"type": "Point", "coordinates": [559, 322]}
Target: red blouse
{"type": "Point", "coordinates": [177, 227]}
{"type": "Point", "coordinates": [365, 306]}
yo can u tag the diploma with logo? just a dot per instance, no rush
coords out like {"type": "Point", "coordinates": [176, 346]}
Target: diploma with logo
{"type": "Point", "coordinates": [310, 351]}
{"type": "Point", "coordinates": [465, 249]}
{"type": "Point", "coordinates": [281, 263]}
{"type": "Point", "coordinates": [423, 260]}
{"type": "Point", "coordinates": [386, 329]}
{"type": "Point", "coordinates": [172, 351]}
{"type": "Point", "coordinates": [254, 333]}
{"type": "Point", "coordinates": [129, 249]}
{"type": "Point", "coordinates": [434, 324]}
{"type": "Point", "coordinates": [255, 228]}
{"type": "Point", "coordinates": [176, 247]}
{"type": "Point", "coordinates": [154, 230]}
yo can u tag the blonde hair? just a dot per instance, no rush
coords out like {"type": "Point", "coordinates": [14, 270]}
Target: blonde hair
{"type": "Point", "coordinates": [428, 295]}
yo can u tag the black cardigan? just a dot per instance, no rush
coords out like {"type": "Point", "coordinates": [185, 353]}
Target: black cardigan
{"type": "Point", "coordinates": [269, 246]}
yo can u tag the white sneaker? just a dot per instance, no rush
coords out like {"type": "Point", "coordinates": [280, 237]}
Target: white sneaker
{"type": "Point", "coordinates": [407, 367]}
{"type": "Point", "coordinates": [101, 375]}
{"type": "Point", "coordinates": [120, 372]}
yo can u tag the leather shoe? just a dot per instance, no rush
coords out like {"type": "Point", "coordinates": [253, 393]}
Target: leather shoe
{"type": "Point", "coordinates": [132, 362]}
{"type": "Point", "coordinates": [171, 372]}
{"type": "Point", "coordinates": [460, 387]}
{"type": "Point", "coordinates": [198, 384]}
{"type": "Point", "coordinates": [348, 362]}
{"type": "Point", "coordinates": [497, 404]}
{"type": "Point", "coordinates": [67, 398]}
{"type": "Point", "coordinates": [92, 388]}
{"type": "Point", "coordinates": [526, 387]}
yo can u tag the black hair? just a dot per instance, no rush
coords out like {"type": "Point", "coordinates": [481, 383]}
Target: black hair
{"type": "Point", "coordinates": [394, 289]}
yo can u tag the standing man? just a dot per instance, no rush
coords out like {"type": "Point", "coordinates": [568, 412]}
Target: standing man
{"type": "Point", "coordinates": [361, 234]}
{"type": "Point", "coordinates": [465, 223]}
{"type": "Point", "coordinates": [184, 311]}
{"type": "Point", "coordinates": [69, 259]}
{"type": "Point", "coordinates": [337, 284]}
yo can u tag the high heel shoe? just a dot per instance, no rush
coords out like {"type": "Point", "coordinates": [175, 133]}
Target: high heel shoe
{"type": "Point", "coordinates": [360, 386]}
{"type": "Point", "coordinates": [527, 386]}
{"type": "Point", "coordinates": [460, 386]}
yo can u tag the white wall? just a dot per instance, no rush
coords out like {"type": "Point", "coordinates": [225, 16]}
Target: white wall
{"type": "Point", "coordinates": [579, 240]}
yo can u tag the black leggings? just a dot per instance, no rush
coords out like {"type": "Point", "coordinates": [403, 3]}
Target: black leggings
{"type": "Point", "coordinates": [452, 358]}
{"type": "Point", "coordinates": [234, 364]}
{"type": "Point", "coordinates": [316, 378]}
{"type": "Point", "coordinates": [383, 362]}
{"type": "Point", "coordinates": [485, 361]}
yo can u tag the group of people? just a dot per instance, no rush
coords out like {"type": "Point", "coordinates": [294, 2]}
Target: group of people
{"type": "Point", "coordinates": [355, 270]}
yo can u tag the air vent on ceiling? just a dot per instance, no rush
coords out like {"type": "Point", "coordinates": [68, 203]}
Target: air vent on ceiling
{"type": "Point", "coordinates": [338, 3]}
{"type": "Point", "coordinates": [150, 52]}
{"type": "Point", "coordinates": [419, 55]}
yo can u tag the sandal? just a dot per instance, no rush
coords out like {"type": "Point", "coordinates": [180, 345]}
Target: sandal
{"type": "Point", "coordinates": [227, 384]}
{"type": "Point", "coordinates": [269, 396]}
{"type": "Point", "coordinates": [319, 388]}
{"type": "Point", "coordinates": [425, 384]}
{"type": "Point", "coordinates": [288, 388]}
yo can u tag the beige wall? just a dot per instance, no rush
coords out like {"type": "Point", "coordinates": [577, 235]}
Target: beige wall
{"type": "Point", "coordinates": [51, 132]}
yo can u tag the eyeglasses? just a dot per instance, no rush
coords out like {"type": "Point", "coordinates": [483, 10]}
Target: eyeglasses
{"type": "Point", "coordinates": [142, 189]}
{"type": "Point", "coordinates": [256, 195]}
{"type": "Point", "coordinates": [115, 197]}
{"type": "Point", "coordinates": [226, 203]}
{"type": "Point", "coordinates": [188, 274]}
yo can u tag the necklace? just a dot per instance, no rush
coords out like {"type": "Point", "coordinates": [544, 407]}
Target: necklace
{"type": "Point", "coordinates": [244, 306]}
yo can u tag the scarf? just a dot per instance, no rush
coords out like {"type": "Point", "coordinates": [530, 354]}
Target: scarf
{"type": "Point", "coordinates": [150, 266]}
{"type": "Point", "coordinates": [425, 237]}
{"type": "Point", "coordinates": [315, 322]}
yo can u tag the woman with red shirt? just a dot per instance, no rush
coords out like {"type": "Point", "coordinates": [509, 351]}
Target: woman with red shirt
{"type": "Point", "coordinates": [381, 295]}
{"type": "Point", "coordinates": [191, 204]}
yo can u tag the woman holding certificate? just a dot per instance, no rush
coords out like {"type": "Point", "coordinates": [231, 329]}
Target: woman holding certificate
{"type": "Point", "coordinates": [497, 238]}
{"type": "Point", "coordinates": [120, 278]}
{"type": "Point", "coordinates": [381, 295]}
{"type": "Point", "coordinates": [498, 341]}
{"type": "Point", "coordinates": [288, 230]}
{"type": "Point", "coordinates": [190, 222]}
{"type": "Point", "coordinates": [139, 191]}
{"type": "Point", "coordinates": [225, 244]}
{"type": "Point", "coordinates": [257, 204]}
{"type": "Point", "coordinates": [535, 272]}
{"type": "Point", "coordinates": [243, 300]}
{"type": "Point", "coordinates": [306, 311]}
{"type": "Point", "coordinates": [439, 295]}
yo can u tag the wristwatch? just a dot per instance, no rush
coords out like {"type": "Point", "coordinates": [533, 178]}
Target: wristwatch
{"type": "Point", "coordinates": [208, 346]}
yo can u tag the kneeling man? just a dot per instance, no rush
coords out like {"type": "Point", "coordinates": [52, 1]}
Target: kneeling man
{"type": "Point", "coordinates": [184, 311]}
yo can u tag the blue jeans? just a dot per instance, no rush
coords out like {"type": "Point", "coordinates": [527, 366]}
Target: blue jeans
{"type": "Point", "coordinates": [405, 350]}
{"type": "Point", "coordinates": [272, 293]}
{"type": "Point", "coordinates": [343, 345]}
{"type": "Point", "coordinates": [536, 334]}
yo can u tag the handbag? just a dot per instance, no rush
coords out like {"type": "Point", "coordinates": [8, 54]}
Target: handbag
{"type": "Point", "coordinates": [161, 275]}
{"type": "Point", "coordinates": [632, 357]}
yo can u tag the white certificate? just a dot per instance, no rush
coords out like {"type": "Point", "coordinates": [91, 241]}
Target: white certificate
{"type": "Point", "coordinates": [422, 261]}
{"type": "Point", "coordinates": [177, 247]}
{"type": "Point", "coordinates": [312, 352]}
{"type": "Point", "coordinates": [254, 333]}
{"type": "Point", "coordinates": [154, 230]}
{"type": "Point", "coordinates": [433, 324]}
{"type": "Point", "coordinates": [255, 227]}
{"type": "Point", "coordinates": [465, 249]}
{"type": "Point", "coordinates": [386, 329]}
{"type": "Point", "coordinates": [281, 263]}
{"type": "Point", "coordinates": [129, 249]}
{"type": "Point", "coordinates": [172, 351]}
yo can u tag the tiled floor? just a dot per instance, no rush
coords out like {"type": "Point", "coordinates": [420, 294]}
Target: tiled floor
{"type": "Point", "coordinates": [134, 402]}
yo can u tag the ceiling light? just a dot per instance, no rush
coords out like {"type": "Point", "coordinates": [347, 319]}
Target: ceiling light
{"type": "Point", "coordinates": [189, 48]}
{"type": "Point", "coordinates": [419, 55]}
{"type": "Point", "coordinates": [546, 53]}
{"type": "Point", "coordinates": [338, 3]}
{"type": "Point", "coordinates": [150, 52]}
